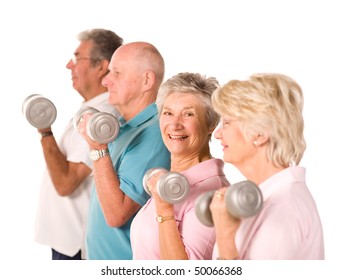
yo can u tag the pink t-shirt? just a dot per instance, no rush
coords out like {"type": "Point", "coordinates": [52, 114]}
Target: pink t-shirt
{"type": "Point", "coordinates": [288, 227]}
{"type": "Point", "coordinates": [198, 239]}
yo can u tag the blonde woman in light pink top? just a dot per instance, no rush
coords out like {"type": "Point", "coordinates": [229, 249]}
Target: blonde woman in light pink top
{"type": "Point", "coordinates": [261, 134]}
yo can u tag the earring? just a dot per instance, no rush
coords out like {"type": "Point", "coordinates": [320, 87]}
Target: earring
{"type": "Point", "coordinates": [255, 142]}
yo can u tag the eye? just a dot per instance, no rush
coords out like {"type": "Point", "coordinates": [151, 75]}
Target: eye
{"type": "Point", "coordinates": [166, 113]}
{"type": "Point", "coordinates": [229, 122]}
{"type": "Point", "coordinates": [225, 122]}
{"type": "Point", "coordinates": [113, 72]}
{"type": "Point", "coordinates": [188, 114]}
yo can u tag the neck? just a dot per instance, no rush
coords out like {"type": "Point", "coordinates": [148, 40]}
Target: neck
{"type": "Point", "coordinates": [180, 163]}
{"type": "Point", "coordinates": [129, 111]}
{"type": "Point", "coordinates": [259, 171]}
{"type": "Point", "coordinates": [91, 93]}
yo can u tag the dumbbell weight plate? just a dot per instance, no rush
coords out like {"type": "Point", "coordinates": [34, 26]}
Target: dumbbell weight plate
{"type": "Point", "coordinates": [103, 127]}
{"type": "Point", "coordinates": [202, 209]}
{"type": "Point", "coordinates": [39, 111]}
{"type": "Point", "coordinates": [243, 199]}
{"type": "Point", "coordinates": [80, 113]}
{"type": "Point", "coordinates": [173, 187]}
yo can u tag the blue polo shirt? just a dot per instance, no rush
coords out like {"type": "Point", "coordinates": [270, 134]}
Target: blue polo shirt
{"type": "Point", "coordinates": [137, 148]}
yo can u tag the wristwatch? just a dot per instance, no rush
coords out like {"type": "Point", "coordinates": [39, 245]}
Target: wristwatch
{"type": "Point", "coordinates": [161, 219]}
{"type": "Point", "coordinates": [95, 155]}
{"type": "Point", "coordinates": [45, 134]}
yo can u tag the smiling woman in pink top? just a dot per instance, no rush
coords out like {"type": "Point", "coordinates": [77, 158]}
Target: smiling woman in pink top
{"type": "Point", "coordinates": [262, 135]}
{"type": "Point", "coordinates": [187, 120]}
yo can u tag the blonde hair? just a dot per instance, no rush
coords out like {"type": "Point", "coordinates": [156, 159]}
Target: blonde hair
{"type": "Point", "coordinates": [267, 104]}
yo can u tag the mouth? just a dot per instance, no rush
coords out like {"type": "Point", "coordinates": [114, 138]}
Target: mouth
{"type": "Point", "coordinates": [224, 146]}
{"type": "Point", "coordinates": [177, 137]}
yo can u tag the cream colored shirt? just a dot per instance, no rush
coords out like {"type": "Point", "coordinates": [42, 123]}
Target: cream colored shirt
{"type": "Point", "coordinates": [288, 227]}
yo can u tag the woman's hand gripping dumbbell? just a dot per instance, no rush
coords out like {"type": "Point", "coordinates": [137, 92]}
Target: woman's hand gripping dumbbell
{"type": "Point", "coordinates": [171, 187]}
{"type": "Point", "coordinates": [101, 127]}
{"type": "Point", "coordinates": [39, 111]}
{"type": "Point", "coordinates": [242, 200]}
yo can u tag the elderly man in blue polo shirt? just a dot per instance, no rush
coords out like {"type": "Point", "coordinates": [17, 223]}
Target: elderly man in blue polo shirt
{"type": "Point", "coordinates": [136, 71]}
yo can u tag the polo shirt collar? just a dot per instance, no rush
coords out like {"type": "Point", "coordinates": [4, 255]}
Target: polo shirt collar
{"type": "Point", "coordinates": [204, 170]}
{"type": "Point", "coordinates": [282, 179]}
{"type": "Point", "coordinates": [148, 113]}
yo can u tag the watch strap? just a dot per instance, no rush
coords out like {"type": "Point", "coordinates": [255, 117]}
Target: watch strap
{"type": "Point", "coordinates": [99, 154]}
{"type": "Point", "coordinates": [45, 134]}
{"type": "Point", "coordinates": [162, 219]}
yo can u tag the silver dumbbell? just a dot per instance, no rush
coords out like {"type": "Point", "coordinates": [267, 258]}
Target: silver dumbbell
{"type": "Point", "coordinates": [39, 111]}
{"type": "Point", "coordinates": [243, 200]}
{"type": "Point", "coordinates": [172, 187]}
{"type": "Point", "coordinates": [101, 127]}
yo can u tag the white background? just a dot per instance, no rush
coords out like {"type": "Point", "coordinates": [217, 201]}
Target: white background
{"type": "Point", "coordinates": [225, 39]}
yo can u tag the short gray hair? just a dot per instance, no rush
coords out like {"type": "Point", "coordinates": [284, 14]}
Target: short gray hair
{"type": "Point", "coordinates": [105, 42]}
{"type": "Point", "coordinates": [199, 85]}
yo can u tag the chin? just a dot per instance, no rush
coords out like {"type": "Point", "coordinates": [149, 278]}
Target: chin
{"type": "Point", "coordinates": [174, 151]}
{"type": "Point", "coordinates": [226, 159]}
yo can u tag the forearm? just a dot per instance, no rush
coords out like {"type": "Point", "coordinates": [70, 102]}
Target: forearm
{"type": "Point", "coordinates": [226, 227]}
{"type": "Point", "coordinates": [170, 242]}
{"type": "Point", "coordinates": [117, 207]}
{"type": "Point", "coordinates": [58, 166]}
{"type": "Point", "coordinates": [226, 245]}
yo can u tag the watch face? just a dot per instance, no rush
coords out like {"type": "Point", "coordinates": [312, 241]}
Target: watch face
{"type": "Point", "coordinates": [94, 154]}
{"type": "Point", "coordinates": [97, 154]}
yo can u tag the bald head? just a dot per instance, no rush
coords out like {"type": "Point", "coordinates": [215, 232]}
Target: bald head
{"type": "Point", "coordinates": [144, 57]}
{"type": "Point", "coordinates": [136, 73]}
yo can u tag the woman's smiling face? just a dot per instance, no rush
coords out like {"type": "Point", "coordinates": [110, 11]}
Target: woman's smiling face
{"type": "Point", "coordinates": [183, 124]}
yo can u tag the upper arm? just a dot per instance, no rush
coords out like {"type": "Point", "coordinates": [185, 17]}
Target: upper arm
{"type": "Point", "coordinates": [146, 151]}
{"type": "Point", "coordinates": [278, 236]}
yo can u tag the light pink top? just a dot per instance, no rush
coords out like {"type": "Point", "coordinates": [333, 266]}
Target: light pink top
{"type": "Point", "coordinates": [198, 239]}
{"type": "Point", "coordinates": [288, 227]}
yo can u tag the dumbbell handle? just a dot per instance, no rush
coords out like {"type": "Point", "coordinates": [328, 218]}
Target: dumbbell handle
{"type": "Point", "coordinates": [79, 115]}
{"type": "Point", "coordinates": [243, 200]}
{"type": "Point", "coordinates": [101, 127]}
{"type": "Point", "coordinates": [172, 187]}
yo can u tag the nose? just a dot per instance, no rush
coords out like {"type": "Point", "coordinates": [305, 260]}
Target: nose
{"type": "Point", "coordinates": [105, 80]}
{"type": "Point", "coordinates": [69, 64]}
{"type": "Point", "coordinates": [176, 122]}
{"type": "Point", "coordinates": [218, 133]}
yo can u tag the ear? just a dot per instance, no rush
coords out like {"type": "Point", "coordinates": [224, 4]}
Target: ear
{"type": "Point", "coordinates": [260, 139]}
{"type": "Point", "coordinates": [103, 68]}
{"type": "Point", "coordinates": [211, 130]}
{"type": "Point", "coordinates": [148, 80]}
